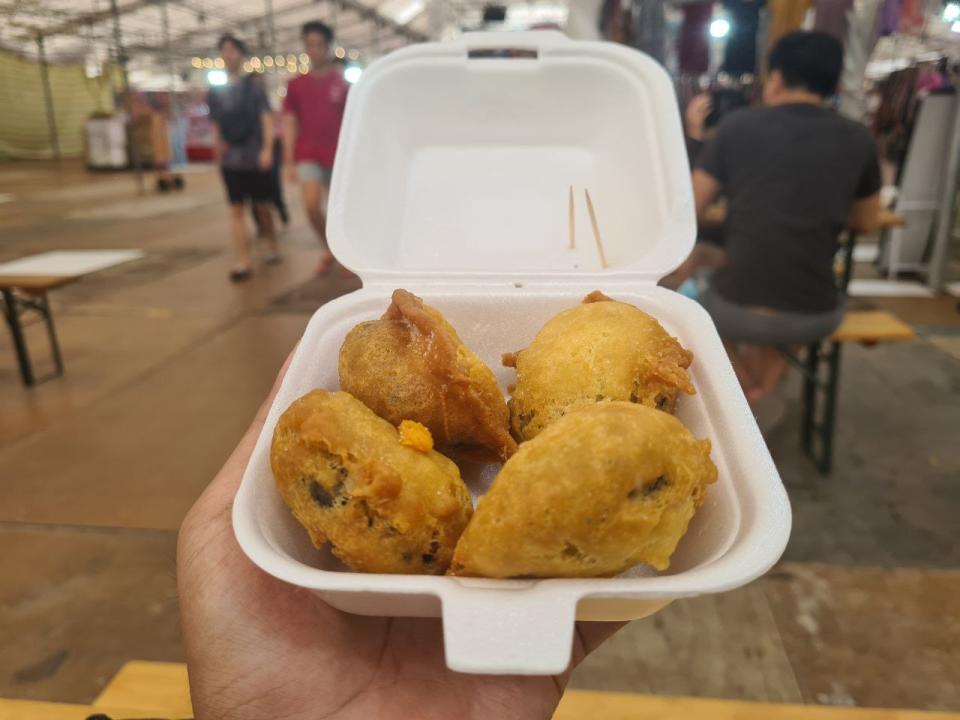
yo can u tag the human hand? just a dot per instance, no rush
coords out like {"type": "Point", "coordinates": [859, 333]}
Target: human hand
{"type": "Point", "coordinates": [290, 172]}
{"type": "Point", "coordinates": [257, 647]}
{"type": "Point", "coordinates": [696, 116]}
{"type": "Point", "coordinates": [265, 161]}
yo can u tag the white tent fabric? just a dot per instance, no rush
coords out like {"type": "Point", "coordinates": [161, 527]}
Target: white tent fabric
{"type": "Point", "coordinates": [79, 29]}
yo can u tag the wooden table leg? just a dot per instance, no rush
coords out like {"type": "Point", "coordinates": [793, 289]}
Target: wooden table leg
{"type": "Point", "coordinates": [43, 305]}
{"type": "Point", "coordinates": [830, 409]}
{"type": "Point", "coordinates": [810, 388]}
{"type": "Point", "coordinates": [11, 312]}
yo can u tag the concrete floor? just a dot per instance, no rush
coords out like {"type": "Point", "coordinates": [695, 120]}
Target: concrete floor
{"type": "Point", "coordinates": [98, 468]}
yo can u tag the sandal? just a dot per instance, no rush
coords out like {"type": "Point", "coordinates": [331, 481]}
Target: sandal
{"type": "Point", "coordinates": [240, 274]}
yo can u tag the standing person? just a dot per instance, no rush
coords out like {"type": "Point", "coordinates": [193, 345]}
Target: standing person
{"type": "Point", "coordinates": [276, 180]}
{"type": "Point", "coordinates": [242, 134]}
{"type": "Point", "coordinates": [313, 111]}
{"type": "Point", "coordinates": [794, 173]}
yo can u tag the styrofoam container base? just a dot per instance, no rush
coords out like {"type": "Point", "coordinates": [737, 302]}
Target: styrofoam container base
{"type": "Point", "coordinates": [452, 180]}
{"type": "Point", "coordinates": [526, 626]}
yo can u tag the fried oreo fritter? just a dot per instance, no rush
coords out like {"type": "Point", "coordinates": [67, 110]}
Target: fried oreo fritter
{"type": "Point", "coordinates": [600, 490]}
{"type": "Point", "coordinates": [599, 350]}
{"type": "Point", "coordinates": [411, 364]}
{"type": "Point", "coordinates": [385, 504]}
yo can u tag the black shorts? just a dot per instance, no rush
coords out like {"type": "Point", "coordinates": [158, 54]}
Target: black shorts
{"type": "Point", "coordinates": [242, 185]}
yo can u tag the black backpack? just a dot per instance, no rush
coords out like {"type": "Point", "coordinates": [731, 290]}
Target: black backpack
{"type": "Point", "coordinates": [239, 122]}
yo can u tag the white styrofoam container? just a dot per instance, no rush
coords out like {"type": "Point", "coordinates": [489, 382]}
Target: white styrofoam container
{"type": "Point", "coordinates": [452, 179]}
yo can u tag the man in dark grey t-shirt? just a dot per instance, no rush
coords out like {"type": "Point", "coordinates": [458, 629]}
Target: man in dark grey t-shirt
{"type": "Point", "coordinates": [243, 147]}
{"type": "Point", "coordinates": [794, 174]}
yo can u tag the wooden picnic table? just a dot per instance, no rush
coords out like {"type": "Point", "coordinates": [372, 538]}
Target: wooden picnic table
{"type": "Point", "coordinates": [21, 293]}
{"type": "Point", "coordinates": [25, 282]}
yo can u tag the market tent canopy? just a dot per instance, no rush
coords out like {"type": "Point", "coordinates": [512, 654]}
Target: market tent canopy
{"type": "Point", "coordinates": [83, 30]}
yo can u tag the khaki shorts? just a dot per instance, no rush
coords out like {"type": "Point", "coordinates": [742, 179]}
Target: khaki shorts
{"type": "Point", "coordinates": [313, 172]}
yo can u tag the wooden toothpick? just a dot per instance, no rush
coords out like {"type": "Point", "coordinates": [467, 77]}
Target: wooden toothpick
{"type": "Point", "coordinates": [571, 220]}
{"type": "Point", "coordinates": [596, 230]}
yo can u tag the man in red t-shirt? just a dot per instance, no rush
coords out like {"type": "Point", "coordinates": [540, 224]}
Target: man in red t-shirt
{"type": "Point", "coordinates": [313, 111]}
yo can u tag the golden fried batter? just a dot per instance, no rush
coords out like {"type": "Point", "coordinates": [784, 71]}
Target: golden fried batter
{"type": "Point", "coordinates": [410, 364]}
{"type": "Point", "coordinates": [382, 506]}
{"type": "Point", "coordinates": [600, 490]}
{"type": "Point", "coordinates": [600, 350]}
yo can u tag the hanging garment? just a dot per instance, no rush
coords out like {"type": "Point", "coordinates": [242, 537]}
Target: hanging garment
{"type": "Point", "coordinates": [911, 17]}
{"type": "Point", "coordinates": [741, 54]}
{"type": "Point", "coordinates": [831, 17]}
{"type": "Point", "coordinates": [931, 80]}
{"type": "Point", "coordinates": [889, 17]}
{"type": "Point", "coordinates": [785, 17]}
{"type": "Point", "coordinates": [893, 120]}
{"type": "Point", "coordinates": [861, 40]}
{"type": "Point", "coordinates": [693, 47]}
{"type": "Point", "coordinates": [648, 28]}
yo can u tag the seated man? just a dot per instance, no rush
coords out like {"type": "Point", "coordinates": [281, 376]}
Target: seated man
{"type": "Point", "coordinates": [794, 174]}
{"type": "Point", "coordinates": [704, 112]}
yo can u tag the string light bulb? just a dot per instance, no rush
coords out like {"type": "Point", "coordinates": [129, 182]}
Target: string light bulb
{"type": "Point", "coordinates": [719, 28]}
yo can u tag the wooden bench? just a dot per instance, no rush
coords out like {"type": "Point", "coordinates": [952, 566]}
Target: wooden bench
{"type": "Point", "coordinates": [160, 690]}
{"type": "Point", "coordinates": [24, 293]}
{"type": "Point", "coordinates": [867, 327]}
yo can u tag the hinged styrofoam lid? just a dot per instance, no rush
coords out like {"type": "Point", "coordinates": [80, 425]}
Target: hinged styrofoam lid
{"type": "Point", "coordinates": [456, 160]}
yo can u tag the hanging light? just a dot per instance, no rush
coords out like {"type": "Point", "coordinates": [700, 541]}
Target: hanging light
{"type": "Point", "coordinates": [218, 63]}
{"type": "Point", "coordinates": [248, 67]}
{"type": "Point", "coordinates": [291, 59]}
{"type": "Point", "coordinates": [352, 73]}
{"type": "Point", "coordinates": [256, 63]}
{"type": "Point", "coordinates": [340, 53]}
{"type": "Point", "coordinates": [208, 63]}
{"type": "Point", "coordinates": [197, 62]}
{"type": "Point", "coordinates": [279, 60]}
{"type": "Point", "coordinates": [951, 12]}
{"type": "Point", "coordinates": [304, 69]}
{"type": "Point", "coordinates": [217, 77]}
{"type": "Point", "coordinates": [304, 58]}
{"type": "Point", "coordinates": [353, 54]}
{"type": "Point", "coordinates": [720, 28]}
{"type": "Point", "coordinates": [268, 61]}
